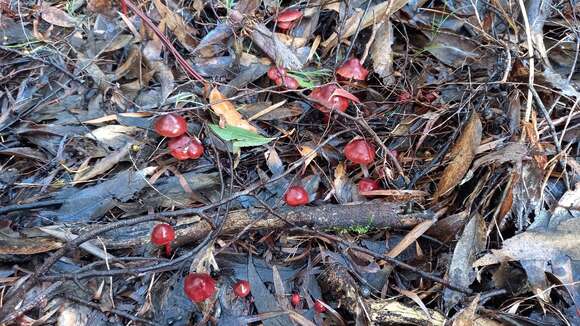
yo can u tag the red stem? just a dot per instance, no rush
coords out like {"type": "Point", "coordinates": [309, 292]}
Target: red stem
{"type": "Point", "coordinates": [124, 7]}
{"type": "Point", "coordinates": [168, 249]}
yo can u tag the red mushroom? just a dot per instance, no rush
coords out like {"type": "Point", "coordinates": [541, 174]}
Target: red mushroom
{"type": "Point", "coordinates": [296, 196]}
{"type": "Point", "coordinates": [319, 306]}
{"type": "Point", "coordinates": [352, 69]}
{"type": "Point", "coordinates": [185, 147]}
{"type": "Point", "coordinates": [404, 97]}
{"type": "Point", "coordinates": [279, 76]}
{"type": "Point", "coordinates": [295, 299]}
{"type": "Point", "coordinates": [170, 125]}
{"type": "Point", "coordinates": [368, 184]}
{"type": "Point", "coordinates": [242, 288]}
{"type": "Point", "coordinates": [361, 152]}
{"type": "Point", "coordinates": [288, 18]}
{"type": "Point", "coordinates": [162, 235]}
{"type": "Point", "coordinates": [326, 101]}
{"type": "Point", "coordinates": [199, 287]}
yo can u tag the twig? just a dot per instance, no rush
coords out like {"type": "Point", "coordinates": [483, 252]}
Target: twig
{"type": "Point", "coordinates": [21, 207]}
{"type": "Point", "coordinates": [99, 308]}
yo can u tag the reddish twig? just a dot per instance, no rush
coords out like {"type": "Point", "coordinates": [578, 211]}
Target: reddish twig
{"type": "Point", "coordinates": [184, 64]}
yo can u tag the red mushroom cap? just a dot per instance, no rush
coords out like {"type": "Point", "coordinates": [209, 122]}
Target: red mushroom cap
{"type": "Point", "coordinates": [170, 125]}
{"type": "Point", "coordinates": [199, 287]}
{"type": "Point", "coordinates": [360, 151]}
{"type": "Point", "coordinates": [288, 15]}
{"type": "Point", "coordinates": [185, 147]}
{"type": "Point", "coordinates": [275, 73]}
{"type": "Point", "coordinates": [319, 306]}
{"type": "Point", "coordinates": [242, 288]}
{"type": "Point", "coordinates": [162, 234]}
{"type": "Point", "coordinates": [288, 18]}
{"type": "Point", "coordinates": [352, 69]}
{"type": "Point", "coordinates": [295, 299]}
{"type": "Point", "coordinates": [326, 101]}
{"type": "Point", "coordinates": [368, 184]}
{"type": "Point", "coordinates": [296, 196]}
{"type": "Point", "coordinates": [288, 82]}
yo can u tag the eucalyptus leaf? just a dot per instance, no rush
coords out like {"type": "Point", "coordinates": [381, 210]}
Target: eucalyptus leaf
{"type": "Point", "coordinates": [240, 137]}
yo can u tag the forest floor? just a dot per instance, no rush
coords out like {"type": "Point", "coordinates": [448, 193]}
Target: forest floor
{"type": "Point", "coordinates": [275, 163]}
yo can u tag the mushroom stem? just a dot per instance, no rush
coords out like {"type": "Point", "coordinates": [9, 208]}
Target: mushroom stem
{"type": "Point", "coordinates": [168, 249]}
{"type": "Point", "coordinates": [365, 170]}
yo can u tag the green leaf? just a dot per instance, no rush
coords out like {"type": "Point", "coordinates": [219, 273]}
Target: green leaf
{"type": "Point", "coordinates": [240, 137]}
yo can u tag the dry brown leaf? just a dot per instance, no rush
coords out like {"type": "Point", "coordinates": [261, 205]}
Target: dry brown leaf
{"type": "Point", "coordinates": [461, 156]}
{"type": "Point", "coordinates": [227, 111]}
{"type": "Point", "coordinates": [410, 238]}
{"type": "Point", "coordinates": [99, 6]}
{"type": "Point", "coordinates": [58, 17]}
{"type": "Point", "coordinates": [26, 246]}
{"type": "Point", "coordinates": [308, 152]}
{"type": "Point", "coordinates": [175, 23]}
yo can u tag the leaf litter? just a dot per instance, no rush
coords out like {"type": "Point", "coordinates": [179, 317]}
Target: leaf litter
{"type": "Point", "coordinates": [474, 221]}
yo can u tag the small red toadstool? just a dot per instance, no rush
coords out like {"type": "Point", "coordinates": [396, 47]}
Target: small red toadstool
{"type": "Point", "coordinates": [319, 306]}
{"type": "Point", "coordinates": [368, 184]}
{"type": "Point", "coordinates": [280, 78]}
{"type": "Point", "coordinates": [162, 235]}
{"type": "Point", "coordinates": [361, 152]}
{"type": "Point", "coordinates": [199, 287]}
{"type": "Point", "coordinates": [326, 101]}
{"type": "Point", "coordinates": [288, 18]}
{"type": "Point", "coordinates": [352, 69]}
{"type": "Point", "coordinates": [296, 196]}
{"type": "Point", "coordinates": [242, 288]}
{"type": "Point", "coordinates": [185, 147]}
{"type": "Point", "coordinates": [295, 299]}
{"type": "Point", "coordinates": [170, 125]}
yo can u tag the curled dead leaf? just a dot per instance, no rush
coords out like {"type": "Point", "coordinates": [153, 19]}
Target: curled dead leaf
{"type": "Point", "coordinates": [461, 156]}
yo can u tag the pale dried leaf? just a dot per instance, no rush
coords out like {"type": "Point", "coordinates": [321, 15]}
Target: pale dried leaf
{"type": "Point", "coordinates": [381, 51]}
{"type": "Point", "coordinates": [104, 165]}
{"type": "Point", "coordinates": [385, 8]}
{"type": "Point", "coordinates": [226, 110]}
{"type": "Point", "coordinates": [461, 155]}
{"type": "Point", "coordinates": [461, 272]}
{"type": "Point", "coordinates": [58, 17]}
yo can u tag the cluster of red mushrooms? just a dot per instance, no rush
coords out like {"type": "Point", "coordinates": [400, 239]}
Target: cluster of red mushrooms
{"type": "Point", "coordinates": [181, 146]}
{"type": "Point", "coordinates": [201, 286]}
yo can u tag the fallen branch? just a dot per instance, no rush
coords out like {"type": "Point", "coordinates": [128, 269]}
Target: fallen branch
{"type": "Point", "coordinates": [377, 214]}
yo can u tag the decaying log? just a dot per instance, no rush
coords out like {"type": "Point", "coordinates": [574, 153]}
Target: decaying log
{"type": "Point", "coordinates": [377, 214]}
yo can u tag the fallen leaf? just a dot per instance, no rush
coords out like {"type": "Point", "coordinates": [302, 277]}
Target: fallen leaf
{"type": "Point", "coordinates": [175, 23]}
{"type": "Point", "coordinates": [461, 156]}
{"type": "Point", "coordinates": [103, 165]}
{"type": "Point", "coordinates": [308, 152]}
{"type": "Point", "coordinates": [226, 110]}
{"type": "Point", "coordinates": [58, 17]}
{"type": "Point", "coordinates": [26, 246]}
{"type": "Point", "coordinates": [381, 51]}
{"type": "Point", "coordinates": [26, 152]}
{"type": "Point", "coordinates": [461, 274]}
